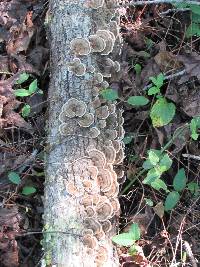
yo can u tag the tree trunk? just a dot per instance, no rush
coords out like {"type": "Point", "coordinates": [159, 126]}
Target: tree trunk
{"type": "Point", "coordinates": [84, 137]}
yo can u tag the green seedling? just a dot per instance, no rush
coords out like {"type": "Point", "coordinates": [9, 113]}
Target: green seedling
{"type": "Point", "coordinates": [32, 88]}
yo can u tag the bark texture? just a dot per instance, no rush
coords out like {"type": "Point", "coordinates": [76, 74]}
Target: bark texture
{"type": "Point", "coordinates": [76, 229]}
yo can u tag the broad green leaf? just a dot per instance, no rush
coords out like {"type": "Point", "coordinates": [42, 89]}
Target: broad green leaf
{"type": "Point", "coordinates": [165, 163]}
{"type": "Point", "coordinates": [159, 184]}
{"type": "Point", "coordinates": [33, 87]}
{"type": "Point", "coordinates": [152, 175]}
{"type": "Point", "coordinates": [127, 139]}
{"type": "Point", "coordinates": [179, 182]}
{"type": "Point", "coordinates": [194, 126]}
{"type": "Point", "coordinates": [193, 188]}
{"type": "Point", "coordinates": [149, 202]}
{"type": "Point", "coordinates": [147, 165]}
{"type": "Point", "coordinates": [26, 110]}
{"type": "Point", "coordinates": [124, 239]}
{"type": "Point", "coordinates": [194, 8]}
{"type": "Point", "coordinates": [109, 94]}
{"type": "Point", "coordinates": [193, 30]}
{"type": "Point", "coordinates": [158, 81]}
{"type": "Point", "coordinates": [22, 78]}
{"type": "Point", "coordinates": [153, 90]}
{"type": "Point", "coordinates": [133, 250]}
{"type": "Point", "coordinates": [28, 190]}
{"type": "Point", "coordinates": [138, 100]}
{"type": "Point", "coordinates": [137, 67]}
{"type": "Point", "coordinates": [14, 178]}
{"type": "Point", "coordinates": [21, 92]}
{"type": "Point", "coordinates": [162, 112]}
{"type": "Point", "coordinates": [153, 158]}
{"type": "Point", "coordinates": [135, 231]}
{"type": "Point", "coordinates": [171, 200]}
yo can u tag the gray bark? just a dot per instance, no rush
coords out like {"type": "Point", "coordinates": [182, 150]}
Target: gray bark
{"type": "Point", "coordinates": [64, 213]}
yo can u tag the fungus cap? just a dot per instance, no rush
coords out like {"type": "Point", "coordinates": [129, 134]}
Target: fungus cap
{"type": "Point", "coordinates": [90, 211]}
{"type": "Point", "coordinates": [102, 124]}
{"type": "Point", "coordinates": [97, 157]}
{"type": "Point", "coordinates": [115, 204]}
{"type": "Point", "coordinates": [102, 112]}
{"type": "Point", "coordinates": [106, 226]}
{"type": "Point", "coordinates": [117, 144]}
{"type": "Point", "coordinates": [79, 69]}
{"type": "Point", "coordinates": [110, 134]}
{"type": "Point", "coordinates": [95, 4]}
{"type": "Point", "coordinates": [93, 132]}
{"type": "Point", "coordinates": [98, 78]}
{"type": "Point", "coordinates": [104, 180]}
{"type": "Point", "coordinates": [104, 211]}
{"type": "Point", "coordinates": [73, 190]}
{"type": "Point", "coordinates": [119, 156]}
{"type": "Point", "coordinates": [110, 154]}
{"type": "Point", "coordinates": [102, 255]}
{"type": "Point", "coordinates": [100, 235]}
{"type": "Point", "coordinates": [114, 190]}
{"type": "Point", "coordinates": [97, 43]}
{"type": "Point", "coordinates": [117, 66]}
{"type": "Point", "coordinates": [90, 241]}
{"type": "Point", "coordinates": [96, 102]}
{"type": "Point", "coordinates": [86, 120]}
{"type": "Point", "coordinates": [94, 225]}
{"type": "Point", "coordinates": [105, 84]}
{"type": "Point", "coordinates": [90, 69]}
{"type": "Point", "coordinates": [67, 129]}
{"type": "Point", "coordinates": [109, 39]}
{"type": "Point", "coordinates": [80, 46]}
{"type": "Point", "coordinates": [74, 108]}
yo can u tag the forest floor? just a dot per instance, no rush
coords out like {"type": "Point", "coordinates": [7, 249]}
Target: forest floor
{"type": "Point", "coordinates": [158, 87]}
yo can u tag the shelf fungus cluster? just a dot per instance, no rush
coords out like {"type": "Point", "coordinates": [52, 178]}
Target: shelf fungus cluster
{"type": "Point", "coordinates": [96, 174]}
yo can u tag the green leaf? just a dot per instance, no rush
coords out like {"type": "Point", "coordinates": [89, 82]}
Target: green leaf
{"type": "Point", "coordinates": [153, 90]}
{"type": "Point", "coordinates": [26, 110]}
{"type": "Point", "coordinates": [124, 239]}
{"type": "Point", "coordinates": [165, 163]}
{"type": "Point", "coordinates": [171, 200]}
{"type": "Point", "coordinates": [137, 67]}
{"type": "Point", "coordinates": [135, 231]}
{"type": "Point", "coordinates": [14, 178]}
{"type": "Point", "coordinates": [22, 78]}
{"type": "Point", "coordinates": [193, 188]}
{"type": "Point", "coordinates": [127, 139]}
{"type": "Point", "coordinates": [158, 81]}
{"type": "Point", "coordinates": [193, 30]}
{"type": "Point", "coordinates": [28, 190]}
{"type": "Point", "coordinates": [138, 100]}
{"type": "Point", "coordinates": [180, 180]}
{"type": "Point", "coordinates": [153, 157]}
{"type": "Point", "coordinates": [194, 126]}
{"type": "Point", "coordinates": [159, 184]}
{"type": "Point", "coordinates": [33, 87]}
{"type": "Point", "coordinates": [147, 165]}
{"type": "Point", "coordinates": [152, 175]}
{"type": "Point", "coordinates": [149, 202]}
{"type": "Point", "coordinates": [109, 94]}
{"type": "Point", "coordinates": [162, 112]}
{"type": "Point", "coordinates": [21, 92]}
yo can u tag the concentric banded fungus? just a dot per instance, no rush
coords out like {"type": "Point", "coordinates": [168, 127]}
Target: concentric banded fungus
{"type": "Point", "coordinates": [100, 235]}
{"type": "Point", "coordinates": [95, 4]}
{"type": "Point", "coordinates": [110, 134]}
{"type": "Point", "coordinates": [86, 120]}
{"type": "Point", "coordinates": [93, 132]}
{"type": "Point", "coordinates": [121, 132]}
{"type": "Point", "coordinates": [91, 223]}
{"type": "Point", "coordinates": [74, 108]}
{"type": "Point", "coordinates": [117, 145]}
{"type": "Point", "coordinates": [87, 184]}
{"type": "Point", "coordinates": [115, 204]}
{"type": "Point", "coordinates": [76, 61]}
{"type": "Point", "coordinates": [90, 211]}
{"type": "Point", "coordinates": [109, 39]}
{"type": "Point", "coordinates": [90, 69]}
{"type": "Point", "coordinates": [111, 108]}
{"type": "Point", "coordinates": [87, 232]}
{"type": "Point", "coordinates": [104, 211]}
{"type": "Point", "coordinates": [110, 154]}
{"type": "Point", "coordinates": [102, 255]}
{"type": "Point", "coordinates": [111, 170]}
{"type": "Point", "coordinates": [98, 78]}
{"type": "Point", "coordinates": [95, 91]}
{"type": "Point", "coordinates": [117, 66]}
{"type": "Point", "coordinates": [102, 112]}
{"type": "Point", "coordinates": [80, 46]}
{"type": "Point", "coordinates": [72, 189]}
{"type": "Point", "coordinates": [79, 69]}
{"type": "Point", "coordinates": [96, 102]}
{"type": "Point", "coordinates": [114, 28]}
{"type": "Point", "coordinates": [102, 124]}
{"type": "Point", "coordinates": [106, 226]}
{"type": "Point", "coordinates": [105, 180]}
{"type": "Point", "coordinates": [68, 129]}
{"type": "Point", "coordinates": [119, 156]}
{"type": "Point", "coordinates": [97, 157]}
{"type": "Point", "coordinates": [97, 43]}
{"type": "Point", "coordinates": [90, 241]}
{"type": "Point", "coordinates": [114, 190]}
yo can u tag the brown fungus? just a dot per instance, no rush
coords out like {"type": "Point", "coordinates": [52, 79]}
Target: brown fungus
{"type": "Point", "coordinates": [106, 226]}
{"type": "Point", "coordinates": [110, 154]}
{"type": "Point", "coordinates": [90, 241]}
{"type": "Point", "coordinates": [105, 180]}
{"type": "Point", "coordinates": [104, 84]}
{"type": "Point", "coordinates": [94, 225]}
{"type": "Point", "coordinates": [109, 39]}
{"type": "Point", "coordinates": [102, 112]}
{"type": "Point", "coordinates": [102, 124]}
{"type": "Point", "coordinates": [117, 66]}
{"type": "Point", "coordinates": [104, 211]}
{"type": "Point", "coordinates": [121, 132]}
{"type": "Point", "coordinates": [119, 156]}
{"type": "Point", "coordinates": [97, 43]}
{"type": "Point", "coordinates": [86, 120]}
{"type": "Point", "coordinates": [78, 69]}
{"type": "Point", "coordinates": [68, 129]}
{"type": "Point", "coordinates": [98, 78]}
{"type": "Point", "coordinates": [90, 69]}
{"type": "Point", "coordinates": [93, 132]}
{"type": "Point", "coordinates": [113, 191]}
{"type": "Point", "coordinates": [117, 144]}
{"type": "Point", "coordinates": [111, 108]}
{"type": "Point", "coordinates": [74, 108]}
{"type": "Point", "coordinates": [97, 157]}
{"type": "Point", "coordinates": [100, 235]}
{"type": "Point", "coordinates": [72, 189]}
{"type": "Point", "coordinates": [115, 204]}
{"type": "Point", "coordinates": [90, 211]}
{"type": "Point", "coordinates": [110, 134]}
{"type": "Point", "coordinates": [80, 46]}
{"type": "Point", "coordinates": [96, 102]}
{"type": "Point", "coordinates": [102, 255]}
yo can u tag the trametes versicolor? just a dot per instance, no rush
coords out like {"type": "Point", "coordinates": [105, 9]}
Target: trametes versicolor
{"type": "Point", "coordinates": [96, 183]}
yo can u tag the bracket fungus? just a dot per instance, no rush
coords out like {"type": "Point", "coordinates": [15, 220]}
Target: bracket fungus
{"type": "Point", "coordinates": [80, 46]}
{"type": "Point", "coordinates": [73, 190]}
{"type": "Point", "coordinates": [109, 39]}
{"type": "Point", "coordinates": [74, 108]}
{"type": "Point", "coordinates": [93, 132]}
{"type": "Point", "coordinates": [68, 128]}
{"type": "Point", "coordinates": [104, 211]}
{"type": "Point", "coordinates": [101, 124]}
{"type": "Point", "coordinates": [102, 255]}
{"type": "Point", "coordinates": [97, 157]}
{"type": "Point", "coordinates": [78, 69]}
{"type": "Point", "coordinates": [110, 154]}
{"type": "Point", "coordinates": [98, 78]}
{"type": "Point", "coordinates": [97, 43]}
{"type": "Point", "coordinates": [94, 225]}
{"type": "Point", "coordinates": [90, 241]}
{"type": "Point", "coordinates": [90, 211]}
{"type": "Point", "coordinates": [86, 120]}
{"type": "Point", "coordinates": [102, 112]}
{"type": "Point", "coordinates": [95, 4]}
{"type": "Point", "coordinates": [105, 84]}
{"type": "Point", "coordinates": [104, 179]}
{"type": "Point", "coordinates": [106, 226]}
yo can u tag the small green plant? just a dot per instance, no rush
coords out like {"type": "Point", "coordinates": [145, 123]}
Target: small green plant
{"type": "Point", "coordinates": [109, 94]}
{"type": "Point", "coordinates": [137, 67]}
{"type": "Point", "coordinates": [157, 84]}
{"type": "Point", "coordinates": [128, 239]}
{"type": "Point", "coordinates": [138, 101]}
{"type": "Point", "coordinates": [16, 179]}
{"type": "Point", "coordinates": [32, 88]}
{"type": "Point", "coordinates": [194, 126]}
{"type": "Point", "coordinates": [26, 110]}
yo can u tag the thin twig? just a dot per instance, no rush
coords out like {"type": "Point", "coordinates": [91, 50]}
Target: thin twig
{"type": "Point", "coordinates": [137, 3]}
